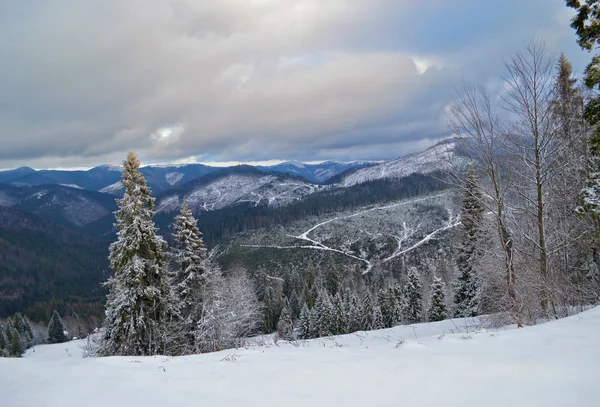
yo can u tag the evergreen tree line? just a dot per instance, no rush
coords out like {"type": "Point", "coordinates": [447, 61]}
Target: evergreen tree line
{"type": "Point", "coordinates": [16, 336]}
{"type": "Point", "coordinates": [320, 314]}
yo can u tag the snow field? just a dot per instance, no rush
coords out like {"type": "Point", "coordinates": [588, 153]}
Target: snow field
{"type": "Point", "coordinates": [447, 363]}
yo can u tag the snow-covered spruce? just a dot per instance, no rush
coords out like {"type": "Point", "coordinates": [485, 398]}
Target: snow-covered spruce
{"type": "Point", "coordinates": [56, 329]}
{"type": "Point", "coordinates": [139, 299]}
{"type": "Point", "coordinates": [466, 290]}
{"type": "Point", "coordinates": [413, 299]}
{"type": "Point", "coordinates": [285, 326]}
{"type": "Point", "coordinates": [189, 271]}
{"type": "Point", "coordinates": [437, 302]}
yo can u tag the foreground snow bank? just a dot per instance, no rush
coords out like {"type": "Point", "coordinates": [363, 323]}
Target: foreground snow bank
{"type": "Point", "coordinates": [449, 363]}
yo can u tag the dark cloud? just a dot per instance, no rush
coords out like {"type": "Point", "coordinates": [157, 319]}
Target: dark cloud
{"type": "Point", "coordinates": [246, 80]}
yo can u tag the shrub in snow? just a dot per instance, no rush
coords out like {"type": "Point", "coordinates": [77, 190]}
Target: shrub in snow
{"type": "Point", "coordinates": [230, 312]}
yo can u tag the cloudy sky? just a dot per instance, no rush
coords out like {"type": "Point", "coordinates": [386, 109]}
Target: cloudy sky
{"type": "Point", "coordinates": [83, 82]}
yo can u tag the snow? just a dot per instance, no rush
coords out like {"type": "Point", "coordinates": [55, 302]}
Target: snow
{"type": "Point", "coordinates": [447, 363]}
{"type": "Point", "coordinates": [174, 177]}
{"type": "Point", "coordinates": [412, 234]}
{"type": "Point", "coordinates": [236, 188]}
{"type": "Point", "coordinates": [438, 157]}
{"type": "Point", "coordinates": [37, 195]}
{"type": "Point", "coordinates": [110, 167]}
{"type": "Point", "coordinates": [71, 186]}
{"type": "Point", "coordinates": [117, 186]}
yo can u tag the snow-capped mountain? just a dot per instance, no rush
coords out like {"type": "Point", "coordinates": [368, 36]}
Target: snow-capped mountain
{"type": "Point", "coordinates": [442, 156]}
{"type": "Point", "coordinates": [317, 173]}
{"type": "Point", "coordinates": [236, 185]}
{"type": "Point", "coordinates": [62, 205]}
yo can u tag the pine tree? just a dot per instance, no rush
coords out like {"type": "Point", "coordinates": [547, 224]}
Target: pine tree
{"type": "Point", "coordinates": [378, 322]}
{"type": "Point", "coordinates": [15, 345]}
{"type": "Point", "coordinates": [3, 342]}
{"type": "Point", "coordinates": [323, 315]}
{"type": "Point", "coordinates": [295, 305]}
{"type": "Point", "coordinates": [390, 307]}
{"type": "Point", "coordinates": [367, 313]}
{"type": "Point", "coordinates": [466, 290]}
{"type": "Point", "coordinates": [413, 306]}
{"type": "Point", "coordinates": [139, 300]}
{"type": "Point", "coordinates": [304, 323]}
{"type": "Point", "coordinates": [285, 326]}
{"type": "Point", "coordinates": [313, 320]}
{"type": "Point", "coordinates": [56, 329]}
{"type": "Point", "coordinates": [24, 328]}
{"type": "Point", "coordinates": [338, 323]}
{"type": "Point", "coordinates": [354, 314]}
{"type": "Point", "coordinates": [189, 273]}
{"type": "Point", "coordinates": [437, 302]}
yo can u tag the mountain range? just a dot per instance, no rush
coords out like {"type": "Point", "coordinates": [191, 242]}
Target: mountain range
{"type": "Point", "coordinates": [254, 204]}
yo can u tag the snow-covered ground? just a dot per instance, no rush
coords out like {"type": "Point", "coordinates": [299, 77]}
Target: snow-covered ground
{"type": "Point", "coordinates": [448, 363]}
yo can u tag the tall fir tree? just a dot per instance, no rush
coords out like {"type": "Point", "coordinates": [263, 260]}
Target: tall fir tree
{"type": "Point", "coordinates": [413, 297]}
{"type": "Point", "coordinates": [324, 314]}
{"type": "Point", "coordinates": [304, 323]}
{"type": "Point", "coordinates": [56, 329]}
{"type": "Point", "coordinates": [437, 301]}
{"type": "Point", "coordinates": [378, 322]}
{"type": "Point", "coordinates": [338, 322]}
{"type": "Point", "coordinates": [466, 290]}
{"type": "Point", "coordinates": [24, 328]}
{"type": "Point", "coordinates": [3, 342]}
{"type": "Point", "coordinates": [139, 300]}
{"type": "Point", "coordinates": [15, 344]}
{"type": "Point", "coordinates": [353, 314]}
{"type": "Point", "coordinates": [285, 325]}
{"type": "Point", "coordinates": [189, 272]}
{"type": "Point", "coordinates": [367, 313]}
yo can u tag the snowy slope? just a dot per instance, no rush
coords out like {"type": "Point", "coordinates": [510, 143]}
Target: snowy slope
{"type": "Point", "coordinates": [237, 188]}
{"type": "Point", "coordinates": [442, 156]}
{"type": "Point", "coordinates": [448, 363]}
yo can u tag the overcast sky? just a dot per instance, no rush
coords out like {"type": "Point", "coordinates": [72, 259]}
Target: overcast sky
{"type": "Point", "coordinates": [83, 82]}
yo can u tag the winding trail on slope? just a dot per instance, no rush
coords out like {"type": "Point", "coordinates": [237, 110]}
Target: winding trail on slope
{"type": "Point", "coordinates": [317, 245]}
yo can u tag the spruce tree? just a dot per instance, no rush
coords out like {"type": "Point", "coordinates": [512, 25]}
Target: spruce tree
{"type": "Point", "coordinates": [15, 345]}
{"type": "Point", "coordinates": [338, 323]}
{"type": "Point", "coordinates": [3, 342]}
{"type": "Point", "coordinates": [437, 302]}
{"type": "Point", "coordinates": [305, 323]}
{"type": "Point", "coordinates": [139, 297]}
{"type": "Point", "coordinates": [323, 315]}
{"type": "Point", "coordinates": [56, 329]}
{"type": "Point", "coordinates": [189, 272]}
{"type": "Point", "coordinates": [413, 306]}
{"type": "Point", "coordinates": [24, 328]}
{"type": "Point", "coordinates": [367, 313]}
{"type": "Point", "coordinates": [285, 326]}
{"type": "Point", "coordinates": [378, 322]}
{"type": "Point", "coordinates": [354, 314]}
{"type": "Point", "coordinates": [466, 290]}
{"type": "Point", "coordinates": [295, 305]}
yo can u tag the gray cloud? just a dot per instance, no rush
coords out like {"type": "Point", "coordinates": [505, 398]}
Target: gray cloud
{"type": "Point", "coordinates": [241, 80]}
